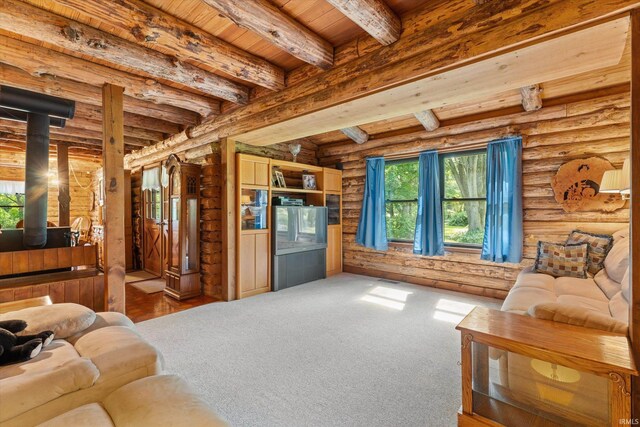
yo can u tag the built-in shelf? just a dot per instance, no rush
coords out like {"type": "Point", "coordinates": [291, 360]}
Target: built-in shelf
{"type": "Point", "coordinates": [294, 190]}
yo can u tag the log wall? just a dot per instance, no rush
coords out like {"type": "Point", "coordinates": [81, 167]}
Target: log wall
{"type": "Point", "coordinates": [81, 174]}
{"type": "Point", "coordinates": [592, 126]}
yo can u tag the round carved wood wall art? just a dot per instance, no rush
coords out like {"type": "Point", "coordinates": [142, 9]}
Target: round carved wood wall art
{"type": "Point", "coordinates": [576, 186]}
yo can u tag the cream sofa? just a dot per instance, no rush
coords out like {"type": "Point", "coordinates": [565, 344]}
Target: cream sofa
{"type": "Point", "coordinates": [161, 400]}
{"type": "Point", "coordinates": [95, 354]}
{"type": "Point", "coordinates": [600, 302]}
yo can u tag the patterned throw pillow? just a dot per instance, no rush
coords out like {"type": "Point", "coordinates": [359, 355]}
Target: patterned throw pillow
{"type": "Point", "coordinates": [556, 259]}
{"type": "Point", "coordinates": [599, 246]}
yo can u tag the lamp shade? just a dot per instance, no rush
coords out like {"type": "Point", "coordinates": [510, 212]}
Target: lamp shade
{"type": "Point", "coordinates": [626, 177]}
{"type": "Point", "coordinates": [611, 181]}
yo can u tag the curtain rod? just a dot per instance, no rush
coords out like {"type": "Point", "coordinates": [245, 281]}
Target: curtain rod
{"type": "Point", "coordinates": [413, 154]}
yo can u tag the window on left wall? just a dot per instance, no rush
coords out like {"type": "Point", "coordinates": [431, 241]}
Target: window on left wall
{"type": "Point", "coordinates": [11, 209]}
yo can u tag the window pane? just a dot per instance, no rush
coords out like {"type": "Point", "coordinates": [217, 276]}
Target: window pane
{"type": "Point", "coordinates": [401, 181]}
{"type": "Point", "coordinates": [401, 220]}
{"type": "Point", "coordinates": [11, 209]}
{"type": "Point", "coordinates": [401, 187]}
{"type": "Point", "coordinates": [465, 176]}
{"type": "Point", "coordinates": [464, 222]}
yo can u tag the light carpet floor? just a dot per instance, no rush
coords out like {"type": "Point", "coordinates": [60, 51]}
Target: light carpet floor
{"type": "Point", "coordinates": [346, 351]}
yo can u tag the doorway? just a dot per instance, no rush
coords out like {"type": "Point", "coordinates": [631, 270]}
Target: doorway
{"type": "Point", "coordinates": [154, 221]}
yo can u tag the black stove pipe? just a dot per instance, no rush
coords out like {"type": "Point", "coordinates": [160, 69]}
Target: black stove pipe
{"type": "Point", "coordinates": [21, 116]}
{"type": "Point", "coordinates": [34, 102]}
{"type": "Point", "coordinates": [36, 181]}
{"type": "Point", "coordinates": [38, 108]}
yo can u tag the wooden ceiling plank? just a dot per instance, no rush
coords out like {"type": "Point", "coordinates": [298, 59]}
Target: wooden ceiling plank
{"type": "Point", "coordinates": [531, 97]}
{"type": "Point", "coordinates": [422, 54]}
{"type": "Point", "coordinates": [90, 95]}
{"type": "Point", "coordinates": [428, 119]}
{"type": "Point", "coordinates": [40, 60]}
{"type": "Point", "coordinates": [266, 20]}
{"type": "Point", "coordinates": [373, 16]}
{"type": "Point", "coordinates": [160, 31]}
{"type": "Point", "coordinates": [356, 134]}
{"type": "Point", "coordinates": [82, 40]}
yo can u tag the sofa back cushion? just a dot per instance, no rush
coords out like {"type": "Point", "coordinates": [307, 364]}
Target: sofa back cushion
{"type": "Point", "coordinates": [559, 260]}
{"type": "Point", "coordinates": [599, 246]}
{"type": "Point", "coordinates": [606, 284]}
{"type": "Point", "coordinates": [620, 235]}
{"type": "Point", "coordinates": [617, 261]}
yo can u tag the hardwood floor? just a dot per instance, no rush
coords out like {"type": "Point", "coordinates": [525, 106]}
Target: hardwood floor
{"type": "Point", "coordinates": [141, 306]}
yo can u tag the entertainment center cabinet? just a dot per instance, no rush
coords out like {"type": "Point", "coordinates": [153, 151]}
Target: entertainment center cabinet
{"type": "Point", "coordinates": [255, 190]}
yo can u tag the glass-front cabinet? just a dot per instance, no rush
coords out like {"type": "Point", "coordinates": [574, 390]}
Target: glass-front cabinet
{"type": "Point", "coordinates": [183, 267]}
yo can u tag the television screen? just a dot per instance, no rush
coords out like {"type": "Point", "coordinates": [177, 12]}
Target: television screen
{"type": "Point", "coordinates": [299, 228]}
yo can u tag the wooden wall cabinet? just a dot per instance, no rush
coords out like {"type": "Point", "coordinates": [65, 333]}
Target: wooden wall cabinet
{"type": "Point", "coordinates": [254, 171]}
{"type": "Point", "coordinates": [183, 272]}
{"type": "Point", "coordinates": [253, 222]}
{"type": "Point", "coordinates": [254, 277]}
{"type": "Point", "coordinates": [254, 192]}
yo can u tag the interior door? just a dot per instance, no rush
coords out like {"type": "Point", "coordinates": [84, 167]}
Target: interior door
{"type": "Point", "coordinates": [152, 232]}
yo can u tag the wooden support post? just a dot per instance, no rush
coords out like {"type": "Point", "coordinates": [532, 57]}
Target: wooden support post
{"type": "Point", "coordinates": [634, 241]}
{"type": "Point", "coordinates": [113, 172]}
{"type": "Point", "coordinates": [356, 134]}
{"type": "Point", "coordinates": [64, 197]}
{"type": "Point", "coordinates": [228, 168]}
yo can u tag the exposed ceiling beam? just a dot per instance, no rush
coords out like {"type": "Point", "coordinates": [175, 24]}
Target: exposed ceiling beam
{"type": "Point", "coordinates": [40, 60]}
{"type": "Point", "coordinates": [531, 97]}
{"type": "Point", "coordinates": [356, 134]}
{"type": "Point", "coordinates": [581, 51]}
{"type": "Point", "coordinates": [265, 19]}
{"type": "Point", "coordinates": [20, 138]}
{"type": "Point", "coordinates": [81, 40]}
{"type": "Point", "coordinates": [373, 16]}
{"type": "Point", "coordinates": [94, 113]}
{"type": "Point", "coordinates": [150, 27]}
{"type": "Point", "coordinates": [19, 128]}
{"type": "Point", "coordinates": [90, 95]}
{"type": "Point", "coordinates": [428, 119]}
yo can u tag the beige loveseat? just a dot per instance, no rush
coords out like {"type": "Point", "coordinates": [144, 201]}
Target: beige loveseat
{"type": "Point", "coordinates": [160, 400]}
{"type": "Point", "coordinates": [94, 354]}
{"type": "Point", "coordinates": [600, 303]}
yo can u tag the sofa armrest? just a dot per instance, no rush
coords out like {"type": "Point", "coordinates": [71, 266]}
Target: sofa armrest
{"type": "Point", "coordinates": [21, 393]}
{"type": "Point", "coordinates": [578, 316]}
{"type": "Point", "coordinates": [103, 320]}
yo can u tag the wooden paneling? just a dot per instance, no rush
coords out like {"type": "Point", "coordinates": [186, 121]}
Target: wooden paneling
{"type": "Point", "coordinates": [88, 291]}
{"type": "Point", "coordinates": [34, 260]}
{"type": "Point", "coordinates": [590, 126]}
